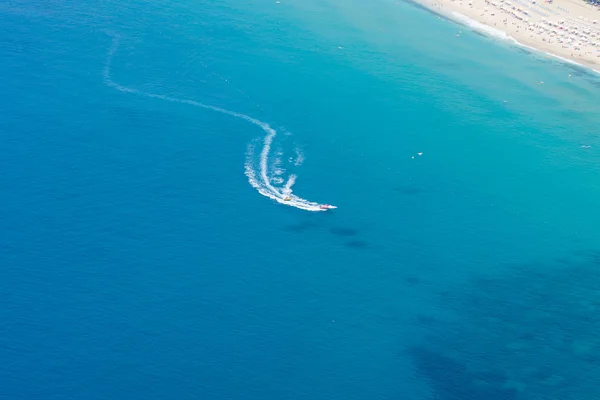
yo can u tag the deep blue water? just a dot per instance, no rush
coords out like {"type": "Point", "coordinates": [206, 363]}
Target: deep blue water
{"type": "Point", "coordinates": [138, 262]}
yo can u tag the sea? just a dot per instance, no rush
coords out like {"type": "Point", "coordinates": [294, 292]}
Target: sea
{"type": "Point", "coordinates": [163, 168]}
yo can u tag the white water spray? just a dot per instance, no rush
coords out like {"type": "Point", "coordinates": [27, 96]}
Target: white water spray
{"type": "Point", "coordinates": [262, 182]}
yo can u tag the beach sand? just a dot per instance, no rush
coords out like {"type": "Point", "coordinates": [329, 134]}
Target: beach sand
{"type": "Point", "coordinates": [564, 28]}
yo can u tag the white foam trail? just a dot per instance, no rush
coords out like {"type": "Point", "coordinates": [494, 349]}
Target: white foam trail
{"type": "Point", "coordinates": [288, 186]}
{"type": "Point", "coordinates": [299, 157]}
{"type": "Point", "coordinates": [262, 183]}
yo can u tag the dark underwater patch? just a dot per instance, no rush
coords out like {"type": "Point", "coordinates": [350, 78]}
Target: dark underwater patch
{"type": "Point", "coordinates": [582, 72]}
{"type": "Point", "coordinates": [339, 231]}
{"type": "Point", "coordinates": [425, 320]}
{"type": "Point", "coordinates": [530, 331]}
{"type": "Point", "coordinates": [356, 244]}
{"type": "Point", "coordinates": [451, 380]}
{"type": "Point", "coordinates": [577, 70]}
{"type": "Point", "coordinates": [412, 280]}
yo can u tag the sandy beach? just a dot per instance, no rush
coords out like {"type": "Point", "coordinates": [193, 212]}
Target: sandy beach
{"type": "Point", "coordinates": [569, 29]}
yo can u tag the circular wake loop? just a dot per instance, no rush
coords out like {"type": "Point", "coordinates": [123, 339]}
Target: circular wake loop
{"type": "Point", "coordinates": [268, 182]}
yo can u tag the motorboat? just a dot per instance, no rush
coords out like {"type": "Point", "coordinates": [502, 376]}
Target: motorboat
{"type": "Point", "coordinates": [326, 207]}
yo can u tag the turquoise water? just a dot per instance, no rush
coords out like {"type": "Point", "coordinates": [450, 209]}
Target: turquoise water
{"type": "Point", "coordinates": [139, 261]}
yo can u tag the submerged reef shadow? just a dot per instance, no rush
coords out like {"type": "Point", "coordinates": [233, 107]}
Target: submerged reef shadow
{"type": "Point", "coordinates": [412, 280]}
{"type": "Point", "coordinates": [452, 381]}
{"type": "Point", "coordinates": [341, 231]}
{"type": "Point", "coordinates": [527, 332]}
{"type": "Point", "coordinates": [356, 244]}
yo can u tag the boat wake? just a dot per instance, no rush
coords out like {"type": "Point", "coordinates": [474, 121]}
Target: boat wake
{"type": "Point", "coordinates": [265, 173]}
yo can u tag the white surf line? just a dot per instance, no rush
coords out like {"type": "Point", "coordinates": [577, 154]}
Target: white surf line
{"type": "Point", "coordinates": [492, 32]}
{"type": "Point", "coordinates": [262, 182]}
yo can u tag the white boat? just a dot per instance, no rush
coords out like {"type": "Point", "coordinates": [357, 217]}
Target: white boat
{"type": "Point", "coordinates": [326, 207]}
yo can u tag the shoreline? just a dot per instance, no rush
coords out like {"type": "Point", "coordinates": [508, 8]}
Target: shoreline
{"type": "Point", "coordinates": [464, 20]}
{"type": "Point", "coordinates": [558, 31]}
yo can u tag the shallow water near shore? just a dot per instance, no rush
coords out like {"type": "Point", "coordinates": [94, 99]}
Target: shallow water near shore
{"type": "Point", "coordinates": [139, 261]}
